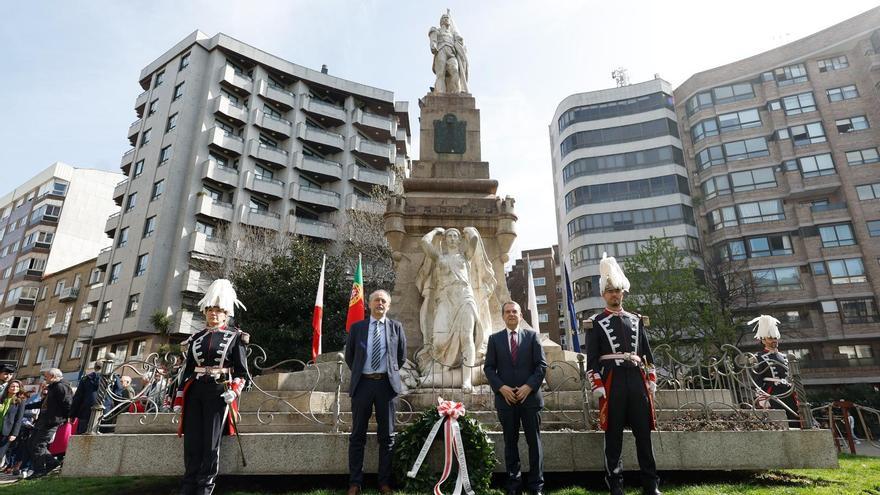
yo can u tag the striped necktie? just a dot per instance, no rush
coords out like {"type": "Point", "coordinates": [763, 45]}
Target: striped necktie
{"type": "Point", "coordinates": [376, 358]}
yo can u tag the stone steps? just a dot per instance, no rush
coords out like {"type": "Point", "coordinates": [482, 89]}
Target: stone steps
{"type": "Point", "coordinates": [325, 453]}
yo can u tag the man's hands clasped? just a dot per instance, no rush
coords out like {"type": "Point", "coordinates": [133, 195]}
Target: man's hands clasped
{"type": "Point", "coordinates": [515, 395]}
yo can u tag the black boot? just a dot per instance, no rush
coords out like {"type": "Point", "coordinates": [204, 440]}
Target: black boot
{"type": "Point", "coordinates": [651, 488]}
{"type": "Point", "coordinates": [615, 486]}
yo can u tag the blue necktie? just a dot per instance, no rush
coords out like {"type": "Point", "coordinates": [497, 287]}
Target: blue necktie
{"type": "Point", "coordinates": [376, 359]}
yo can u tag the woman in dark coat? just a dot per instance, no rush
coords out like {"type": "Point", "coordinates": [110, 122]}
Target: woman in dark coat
{"type": "Point", "coordinates": [12, 410]}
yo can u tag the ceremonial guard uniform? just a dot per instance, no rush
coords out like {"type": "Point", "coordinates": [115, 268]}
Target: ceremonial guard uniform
{"type": "Point", "coordinates": [208, 389]}
{"type": "Point", "coordinates": [620, 368]}
{"type": "Point", "coordinates": [771, 372]}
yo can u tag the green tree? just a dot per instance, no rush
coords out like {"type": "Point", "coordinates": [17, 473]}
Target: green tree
{"type": "Point", "coordinates": [684, 312]}
{"type": "Point", "coordinates": [280, 299]}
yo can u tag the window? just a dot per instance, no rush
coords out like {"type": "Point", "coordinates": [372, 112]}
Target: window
{"type": "Point", "coordinates": [132, 306]}
{"type": "Point", "coordinates": [138, 347]}
{"type": "Point", "coordinates": [541, 299]}
{"type": "Point", "coordinates": [704, 129]}
{"type": "Point", "coordinates": [122, 239]}
{"type": "Point", "coordinates": [96, 276]}
{"type": "Point", "coordinates": [712, 155]}
{"type": "Point", "coordinates": [160, 78]}
{"type": "Point", "coordinates": [842, 93]}
{"type": "Point", "coordinates": [851, 124]}
{"type": "Point", "coordinates": [861, 157]}
{"type": "Point", "coordinates": [106, 308]}
{"type": "Point", "coordinates": [733, 92]}
{"type": "Point", "coordinates": [154, 105]}
{"type": "Point", "coordinates": [774, 245]}
{"type": "Point", "coordinates": [829, 306]}
{"type": "Point", "coordinates": [263, 173]}
{"type": "Point", "coordinates": [621, 134]}
{"type": "Point", "coordinates": [874, 228]}
{"type": "Point", "coordinates": [859, 310]}
{"type": "Point", "coordinates": [138, 169]}
{"type": "Point", "coordinates": [760, 211]}
{"type": "Point", "coordinates": [145, 137]}
{"type": "Point", "coordinates": [732, 251]}
{"type": "Point", "coordinates": [149, 226]}
{"type": "Point", "coordinates": [631, 219]}
{"type": "Point", "coordinates": [258, 206]}
{"type": "Point", "coordinates": [540, 281]}
{"type": "Point", "coordinates": [699, 102]}
{"type": "Point", "coordinates": [777, 279]}
{"type": "Point", "coordinates": [749, 148]}
{"type": "Point", "coordinates": [715, 186]}
{"type": "Point", "coordinates": [626, 190]}
{"type": "Point", "coordinates": [27, 357]}
{"type": "Point", "coordinates": [184, 61]}
{"type": "Point", "coordinates": [178, 92]}
{"type": "Point", "coordinates": [798, 104]}
{"type": "Point", "coordinates": [85, 312]}
{"type": "Point", "coordinates": [837, 235]}
{"type": "Point", "coordinates": [750, 180]}
{"type": "Point", "coordinates": [615, 109]}
{"type": "Point", "coordinates": [722, 217]}
{"type": "Point", "coordinates": [172, 123]}
{"type": "Point", "coordinates": [41, 355]}
{"type": "Point", "coordinates": [206, 228]}
{"type": "Point", "coordinates": [76, 350]}
{"type": "Point", "coordinates": [536, 264]}
{"type": "Point", "coordinates": [850, 271]}
{"type": "Point", "coordinates": [807, 134]}
{"type": "Point", "coordinates": [739, 120]}
{"type": "Point", "coordinates": [158, 188]}
{"type": "Point", "coordinates": [818, 268]}
{"type": "Point", "coordinates": [817, 165]}
{"type": "Point", "coordinates": [114, 273]}
{"type": "Point", "coordinates": [131, 202]}
{"type": "Point", "coordinates": [543, 317]}
{"type": "Point", "coordinates": [791, 74]}
{"type": "Point", "coordinates": [623, 161]}
{"type": "Point", "coordinates": [868, 191]}
{"type": "Point", "coordinates": [141, 266]}
{"type": "Point", "coordinates": [50, 319]}
{"type": "Point", "coordinates": [855, 351]}
{"type": "Point", "coordinates": [834, 63]}
{"type": "Point", "coordinates": [165, 154]}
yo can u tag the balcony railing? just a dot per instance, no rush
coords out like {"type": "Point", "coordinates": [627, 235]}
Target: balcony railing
{"type": "Point", "coordinates": [58, 329]}
{"type": "Point", "coordinates": [265, 213]}
{"type": "Point", "coordinates": [273, 148]}
{"type": "Point", "coordinates": [827, 207]}
{"type": "Point", "coordinates": [13, 332]}
{"type": "Point", "coordinates": [269, 180]}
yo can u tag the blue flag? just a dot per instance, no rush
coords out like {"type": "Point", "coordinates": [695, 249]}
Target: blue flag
{"type": "Point", "coordinates": [572, 317]}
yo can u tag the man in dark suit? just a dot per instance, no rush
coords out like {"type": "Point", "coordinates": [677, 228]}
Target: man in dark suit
{"type": "Point", "coordinates": [515, 367]}
{"type": "Point", "coordinates": [374, 352]}
{"type": "Point", "coordinates": [53, 412]}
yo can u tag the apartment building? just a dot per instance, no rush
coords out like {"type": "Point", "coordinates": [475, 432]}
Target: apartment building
{"type": "Point", "coordinates": [547, 275]}
{"type": "Point", "coordinates": [782, 151]}
{"type": "Point", "coordinates": [62, 324]}
{"type": "Point", "coordinates": [51, 222]}
{"type": "Point", "coordinates": [229, 138]}
{"type": "Point", "coordinates": [619, 179]}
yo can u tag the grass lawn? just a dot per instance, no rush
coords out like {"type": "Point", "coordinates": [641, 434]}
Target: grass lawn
{"type": "Point", "coordinates": [856, 476]}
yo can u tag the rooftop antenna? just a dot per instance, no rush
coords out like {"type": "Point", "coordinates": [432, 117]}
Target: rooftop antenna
{"type": "Point", "coordinates": [620, 77]}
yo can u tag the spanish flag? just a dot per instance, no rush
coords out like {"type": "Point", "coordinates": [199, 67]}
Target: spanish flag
{"type": "Point", "coordinates": [318, 314]}
{"type": "Point", "coordinates": [356, 311]}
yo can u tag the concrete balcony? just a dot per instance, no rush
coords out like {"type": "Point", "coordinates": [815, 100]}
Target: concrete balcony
{"type": "Point", "coordinates": [374, 152]}
{"type": "Point", "coordinates": [325, 169]}
{"type": "Point", "coordinates": [260, 218]}
{"type": "Point", "coordinates": [133, 129]}
{"type": "Point", "coordinates": [326, 113]}
{"type": "Point", "coordinates": [354, 202]}
{"type": "Point", "coordinates": [68, 294]}
{"type": "Point", "coordinates": [801, 187]}
{"type": "Point", "coordinates": [269, 187]}
{"type": "Point", "coordinates": [268, 153]}
{"type": "Point", "coordinates": [13, 332]}
{"type": "Point", "coordinates": [379, 127]}
{"type": "Point", "coordinates": [224, 106]}
{"type": "Point", "coordinates": [369, 176]}
{"type": "Point", "coordinates": [401, 140]}
{"type": "Point", "coordinates": [214, 172]}
{"type": "Point", "coordinates": [94, 294]}
{"type": "Point", "coordinates": [276, 126]}
{"type": "Point", "coordinates": [325, 141]}
{"type": "Point", "coordinates": [187, 323]}
{"type": "Point", "coordinates": [193, 282]}
{"type": "Point", "coordinates": [214, 209]}
{"type": "Point", "coordinates": [141, 100]}
{"type": "Point", "coordinates": [326, 200]}
{"type": "Point", "coordinates": [104, 256]}
{"type": "Point", "coordinates": [59, 329]}
{"type": "Point", "coordinates": [221, 139]}
{"type": "Point", "coordinates": [86, 332]}
{"type": "Point", "coordinates": [314, 228]}
{"type": "Point", "coordinates": [275, 94]}
{"type": "Point", "coordinates": [202, 244]}
{"type": "Point", "coordinates": [238, 81]}
{"type": "Point", "coordinates": [127, 160]}
{"type": "Point", "coordinates": [112, 223]}
{"type": "Point", "coordinates": [119, 191]}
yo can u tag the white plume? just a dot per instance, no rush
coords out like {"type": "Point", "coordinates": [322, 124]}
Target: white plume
{"type": "Point", "coordinates": [766, 327]}
{"type": "Point", "coordinates": [611, 275]}
{"type": "Point", "coordinates": [222, 295]}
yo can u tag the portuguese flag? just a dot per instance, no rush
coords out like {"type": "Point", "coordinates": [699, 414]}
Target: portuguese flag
{"type": "Point", "coordinates": [356, 310]}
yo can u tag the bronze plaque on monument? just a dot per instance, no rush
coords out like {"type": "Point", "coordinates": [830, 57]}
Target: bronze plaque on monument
{"type": "Point", "coordinates": [450, 135]}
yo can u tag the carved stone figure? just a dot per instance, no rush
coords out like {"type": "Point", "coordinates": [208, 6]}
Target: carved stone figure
{"type": "Point", "coordinates": [450, 57]}
{"type": "Point", "coordinates": [456, 281]}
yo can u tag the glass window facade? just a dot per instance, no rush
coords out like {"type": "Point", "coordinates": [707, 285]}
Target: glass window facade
{"type": "Point", "coordinates": [837, 235]}
{"type": "Point", "coordinates": [777, 279]}
{"type": "Point", "coordinates": [622, 161]}
{"type": "Point", "coordinates": [617, 108]}
{"type": "Point", "coordinates": [627, 190]}
{"type": "Point", "coordinates": [720, 95]}
{"type": "Point", "coordinates": [592, 253]}
{"type": "Point", "coordinates": [816, 165]}
{"type": "Point", "coordinates": [861, 157]}
{"type": "Point", "coordinates": [620, 134]}
{"type": "Point", "coordinates": [630, 220]}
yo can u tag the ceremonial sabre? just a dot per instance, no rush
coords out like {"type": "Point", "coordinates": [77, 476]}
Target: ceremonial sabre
{"type": "Point", "coordinates": [235, 426]}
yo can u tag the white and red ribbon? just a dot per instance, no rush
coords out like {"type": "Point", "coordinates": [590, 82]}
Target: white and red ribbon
{"type": "Point", "coordinates": [449, 412]}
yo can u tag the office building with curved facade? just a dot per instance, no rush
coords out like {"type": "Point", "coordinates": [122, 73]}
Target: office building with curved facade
{"type": "Point", "coordinates": [782, 148]}
{"type": "Point", "coordinates": [619, 178]}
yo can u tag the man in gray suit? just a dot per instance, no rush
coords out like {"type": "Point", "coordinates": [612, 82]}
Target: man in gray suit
{"type": "Point", "coordinates": [515, 367]}
{"type": "Point", "coordinates": [374, 352]}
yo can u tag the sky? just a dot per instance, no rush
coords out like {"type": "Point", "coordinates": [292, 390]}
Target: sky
{"type": "Point", "coordinates": [71, 69]}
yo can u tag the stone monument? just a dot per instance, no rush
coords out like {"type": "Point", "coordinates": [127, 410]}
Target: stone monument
{"type": "Point", "coordinates": [449, 232]}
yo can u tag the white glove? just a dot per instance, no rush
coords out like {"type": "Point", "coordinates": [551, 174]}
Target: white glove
{"type": "Point", "coordinates": [599, 393]}
{"type": "Point", "coordinates": [652, 387]}
{"type": "Point", "coordinates": [177, 409]}
{"type": "Point", "coordinates": [229, 396]}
